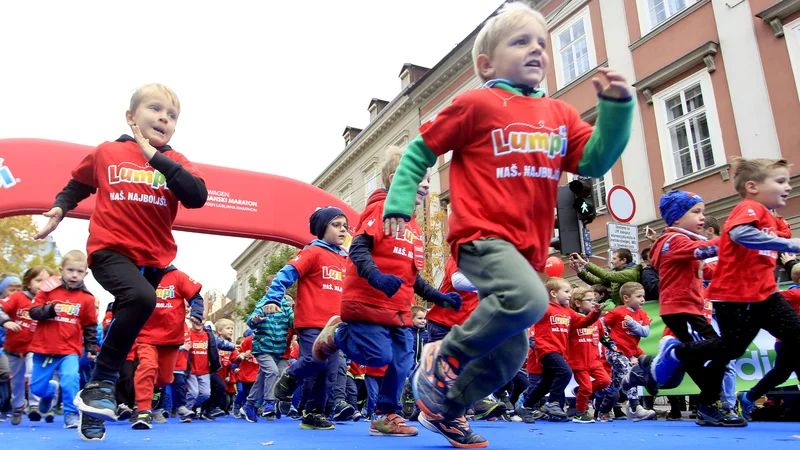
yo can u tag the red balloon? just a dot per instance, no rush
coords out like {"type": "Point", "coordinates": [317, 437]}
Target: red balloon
{"type": "Point", "coordinates": [554, 266]}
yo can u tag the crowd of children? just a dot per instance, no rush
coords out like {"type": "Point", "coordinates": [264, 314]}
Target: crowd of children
{"type": "Point", "coordinates": [501, 339]}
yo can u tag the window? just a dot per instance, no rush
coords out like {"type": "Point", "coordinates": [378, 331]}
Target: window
{"type": "Point", "coordinates": [688, 127]}
{"type": "Point", "coordinates": [345, 196]}
{"type": "Point", "coordinates": [792, 33]}
{"type": "Point", "coordinates": [573, 48]}
{"type": "Point", "coordinates": [653, 13]}
{"type": "Point", "coordinates": [370, 181]}
{"type": "Point", "coordinates": [600, 188]}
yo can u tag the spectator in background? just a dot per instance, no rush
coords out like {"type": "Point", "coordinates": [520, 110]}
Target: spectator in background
{"type": "Point", "coordinates": [623, 270]}
{"type": "Point", "coordinates": [649, 277]}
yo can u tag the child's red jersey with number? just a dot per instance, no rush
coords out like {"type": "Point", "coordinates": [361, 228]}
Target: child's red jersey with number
{"type": "Point", "coordinates": [134, 209]}
{"type": "Point", "coordinates": [584, 346]}
{"type": "Point", "coordinates": [166, 325]}
{"type": "Point", "coordinates": [63, 334]}
{"type": "Point", "coordinates": [552, 332]}
{"type": "Point", "coordinates": [319, 290]}
{"type": "Point", "coordinates": [744, 275]}
{"type": "Point", "coordinates": [469, 300]}
{"type": "Point", "coordinates": [248, 368]}
{"type": "Point", "coordinates": [509, 153]}
{"type": "Point", "coordinates": [399, 256]}
{"type": "Point", "coordinates": [627, 341]}
{"type": "Point", "coordinates": [199, 352]}
{"type": "Point", "coordinates": [18, 306]}
{"type": "Point", "coordinates": [182, 362]}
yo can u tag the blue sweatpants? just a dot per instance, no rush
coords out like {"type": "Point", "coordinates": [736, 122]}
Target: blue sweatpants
{"type": "Point", "coordinates": [68, 373]}
{"type": "Point", "coordinates": [324, 372]}
{"type": "Point", "coordinates": [376, 345]}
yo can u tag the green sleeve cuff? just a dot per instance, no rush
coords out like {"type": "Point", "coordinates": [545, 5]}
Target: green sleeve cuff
{"type": "Point", "coordinates": [416, 160]}
{"type": "Point", "coordinates": [609, 138]}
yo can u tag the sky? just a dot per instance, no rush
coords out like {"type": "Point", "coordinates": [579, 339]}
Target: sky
{"type": "Point", "coordinates": [251, 77]}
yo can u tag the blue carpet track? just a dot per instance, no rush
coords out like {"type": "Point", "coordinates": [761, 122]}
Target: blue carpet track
{"type": "Point", "coordinates": [230, 434]}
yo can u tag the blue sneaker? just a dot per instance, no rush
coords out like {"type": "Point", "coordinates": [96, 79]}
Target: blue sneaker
{"type": "Point", "coordinates": [97, 400]}
{"type": "Point", "coordinates": [91, 429]}
{"type": "Point", "coordinates": [433, 379]}
{"type": "Point", "coordinates": [712, 416]}
{"type": "Point", "coordinates": [745, 406]}
{"type": "Point", "coordinates": [71, 420]}
{"type": "Point", "coordinates": [46, 404]}
{"type": "Point", "coordinates": [665, 363]}
{"type": "Point", "coordinates": [269, 411]}
{"type": "Point", "coordinates": [249, 413]}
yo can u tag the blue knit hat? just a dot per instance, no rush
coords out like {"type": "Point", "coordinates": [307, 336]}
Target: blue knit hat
{"type": "Point", "coordinates": [674, 204]}
{"type": "Point", "coordinates": [321, 218]}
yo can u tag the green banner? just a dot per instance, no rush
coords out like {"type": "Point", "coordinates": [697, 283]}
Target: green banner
{"type": "Point", "coordinates": [750, 367]}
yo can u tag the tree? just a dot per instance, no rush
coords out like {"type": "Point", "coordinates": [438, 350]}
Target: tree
{"type": "Point", "coordinates": [18, 248]}
{"type": "Point", "coordinates": [258, 287]}
{"type": "Point", "coordinates": [432, 225]}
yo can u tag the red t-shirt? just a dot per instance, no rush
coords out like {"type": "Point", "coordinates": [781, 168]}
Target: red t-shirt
{"type": "Point", "coordinates": [319, 290]}
{"type": "Point", "coordinates": [744, 275]}
{"type": "Point", "coordinates": [469, 300]}
{"type": "Point", "coordinates": [18, 306]}
{"type": "Point", "coordinates": [627, 341]}
{"type": "Point", "coordinates": [248, 368]}
{"type": "Point", "coordinates": [680, 288]}
{"type": "Point", "coordinates": [63, 334]}
{"type": "Point", "coordinates": [135, 210]}
{"type": "Point", "coordinates": [225, 364]}
{"type": "Point", "coordinates": [199, 352]}
{"type": "Point", "coordinates": [508, 158]}
{"type": "Point", "coordinates": [584, 347]}
{"type": "Point", "coordinates": [182, 362]}
{"type": "Point", "coordinates": [394, 256]}
{"type": "Point", "coordinates": [165, 326]}
{"type": "Point", "coordinates": [552, 332]}
{"type": "Point", "coordinates": [532, 362]}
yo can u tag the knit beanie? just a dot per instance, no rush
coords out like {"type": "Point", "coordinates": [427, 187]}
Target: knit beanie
{"type": "Point", "coordinates": [675, 204]}
{"type": "Point", "coordinates": [321, 218]}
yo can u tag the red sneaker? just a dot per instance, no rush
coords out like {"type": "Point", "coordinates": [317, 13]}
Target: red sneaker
{"type": "Point", "coordinates": [391, 425]}
{"type": "Point", "coordinates": [325, 345]}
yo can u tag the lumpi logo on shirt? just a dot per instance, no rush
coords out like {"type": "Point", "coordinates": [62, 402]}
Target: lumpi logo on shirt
{"type": "Point", "coordinates": [68, 309]}
{"type": "Point", "coordinates": [559, 320]}
{"type": "Point", "coordinates": [552, 141]}
{"type": "Point", "coordinates": [200, 345]}
{"type": "Point", "coordinates": [139, 175]}
{"type": "Point", "coordinates": [166, 293]}
{"type": "Point", "coordinates": [332, 273]}
{"type": "Point", "coordinates": [587, 331]}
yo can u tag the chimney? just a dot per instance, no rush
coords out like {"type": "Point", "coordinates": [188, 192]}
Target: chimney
{"type": "Point", "coordinates": [349, 134]}
{"type": "Point", "coordinates": [375, 108]}
{"type": "Point", "coordinates": [411, 74]}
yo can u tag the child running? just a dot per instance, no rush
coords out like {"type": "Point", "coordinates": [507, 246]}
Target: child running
{"type": "Point", "coordinates": [510, 147]}
{"type": "Point", "coordinates": [584, 356]}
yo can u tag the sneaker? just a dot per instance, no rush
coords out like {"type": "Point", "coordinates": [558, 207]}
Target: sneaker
{"type": "Point", "coordinates": [16, 416]}
{"type": "Point", "coordinates": [391, 425]}
{"type": "Point", "coordinates": [640, 413]}
{"type": "Point", "coordinates": [555, 412]}
{"type": "Point", "coordinates": [216, 412]}
{"type": "Point", "coordinates": [486, 409]}
{"type": "Point", "coordinates": [325, 345]}
{"type": "Point", "coordinates": [269, 411]}
{"type": "Point", "coordinates": [665, 362]}
{"type": "Point", "coordinates": [711, 416]}
{"type": "Point", "coordinates": [284, 408]}
{"type": "Point", "coordinates": [236, 413]}
{"type": "Point", "coordinates": [407, 399]}
{"type": "Point", "coordinates": [124, 412]}
{"type": "Point", "coordinates": [744, 406]}
{"type": "Point", "coordinates": [97, 400]}
{"type": "Point", "coordinates": [583, 417]}
{"type": "Point", "coordinates": [513, 417]}
{"type": "Point", "coordinates": [49, 418]}
{"type": "Point", "coordinates": [143, 421]}
{"type": "Point", "coordinates": [605, 417]}
{"type": "Point", "coordinates": [316, 421]}
{"type": "Point", "coordinates": [618, 414]}
{"type": "Point", "coordinates": [526, 415]}
{"type": "Point", "coordinates": [343, 412]}
{"type": "Point", "coordinates": [158, 417]}
{"type": "Point", "coordinates": [284, 388]}
{"type": "Point", "coordinates": [207, 417]}
{"type": "Point", "coordinates": [46, 404]}
{"type": "Point", "coordinates": [34, 415]}
{"type": "Point", "coordinates": [435, 375]}
{"type": "Point", "coordinates": [674, 415]}
{"type": "Point", "coordinates": [294, 414]}
{"type": "Point", "coordinates": [91, 429]}
{"type": "Point", "coordinates": [357, 416]}
{"type": "Point", "coordinates": [71, 420]}
{"type": "Point", "coordinates": [642, 375]}
{"type": "Point", "coordinates": [249, 413]}
{"type": "Point", "coordinates": [456, 431]}
{"type": "Point", "coordinates": [185, 414]}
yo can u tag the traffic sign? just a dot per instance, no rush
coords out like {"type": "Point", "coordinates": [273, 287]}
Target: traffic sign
{"type": "Point", "coordinates": [622, 235]}
{"type": "Point", "coordinates": [621, 204]}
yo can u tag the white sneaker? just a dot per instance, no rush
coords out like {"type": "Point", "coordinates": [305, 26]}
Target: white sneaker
{"type": "Point", "coordinates": [642, 414]}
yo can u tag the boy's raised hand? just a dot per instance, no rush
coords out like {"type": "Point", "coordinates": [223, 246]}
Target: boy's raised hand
{"type": "Point", "coordinates": [55, 215]}
{"type": "Point", "coordinates": [147, 150]}
{"type": "Point", "coordinates": [617, 86]}
{"type": "Point", "coordinates": [394, 226]}
{"type": "Point", "coordinates": [271, 308]}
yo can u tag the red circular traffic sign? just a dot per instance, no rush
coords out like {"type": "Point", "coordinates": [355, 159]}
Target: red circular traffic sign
{"type": "Point", "coordinates": [621, 204]}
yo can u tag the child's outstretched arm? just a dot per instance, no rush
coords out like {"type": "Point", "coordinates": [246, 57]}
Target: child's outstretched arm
{"type": "Point", "coordinates": [197, 307]}
{"type": "Point", "coordinates": [366, 268]}
{"type": "Point", "coordinates": [749, 236]}
{"type": "Point", "coordinates": [222, 344]}
{"type": "Point", "coordinates": [431, 294]}
{"type": "Point", "coordinates": [639, 329]}
{"type": "Point", "coordinates": [66, 200]}
{"type": "Point", "coordinates": [283, 280]}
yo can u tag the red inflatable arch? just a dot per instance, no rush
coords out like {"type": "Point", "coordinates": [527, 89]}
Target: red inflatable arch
{"type": "Point", "coordinates": [241, 203]}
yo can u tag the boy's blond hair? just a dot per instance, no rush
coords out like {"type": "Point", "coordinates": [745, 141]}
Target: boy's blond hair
{"type": "Point", "coordinates": [142, 91]}
{"type": "Point", "coordinates": [756, 170]}
{"type": "Point", "coordinates": [418, 309]}
{"type": "Point", "coordinates": [578, 293]}
{"type": "Point", "coordinates": [510, 16]}
{"type": "Point", "coordinates": [629, 288]}
{"type": "Point", "coordinates": [74, 256]}
{"type": "Point", "coordinates": [554, 283]}
{"type": "Point", "coordinates": [796, 274]}
{"type": "Point", "coordinates": [393, 156]}
{"type": "Point", "coordinates": [222, 323]}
